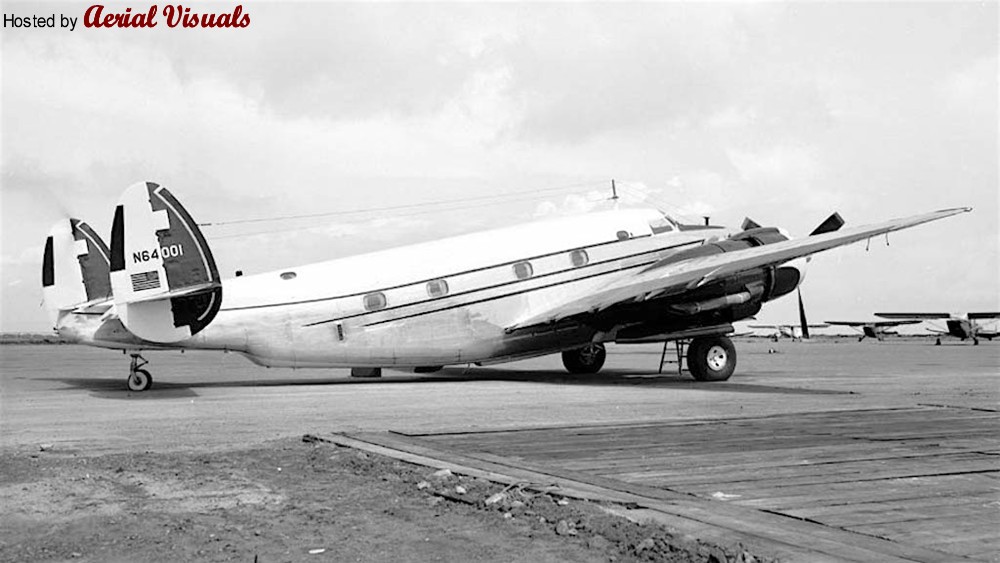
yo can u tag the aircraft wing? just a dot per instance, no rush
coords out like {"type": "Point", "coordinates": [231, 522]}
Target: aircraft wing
{"type": "Point", "coordinates": [667, 278]}
{"type": "Point", "coordinates": [876, 323]}
{"type": "Point", "coordinates": [923, 316]}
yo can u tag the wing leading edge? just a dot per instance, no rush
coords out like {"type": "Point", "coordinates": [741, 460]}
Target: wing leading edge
{"type": "Point", "coordinates": [667, 278]}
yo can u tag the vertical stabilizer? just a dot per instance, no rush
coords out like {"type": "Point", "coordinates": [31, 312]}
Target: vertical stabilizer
{"type": "Point", "coordinates": [74, 267]}
{"type": "Point", "coordinates": [166, 285]}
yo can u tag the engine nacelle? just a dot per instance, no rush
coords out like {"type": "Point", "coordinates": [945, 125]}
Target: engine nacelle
{"type": "Point", "coordinates": [761, 284]}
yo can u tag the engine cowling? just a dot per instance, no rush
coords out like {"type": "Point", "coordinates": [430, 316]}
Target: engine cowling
{"type": "Point", "coordinates": [728, 300]}
{"type": "Point", "coordinates": [757, 285]}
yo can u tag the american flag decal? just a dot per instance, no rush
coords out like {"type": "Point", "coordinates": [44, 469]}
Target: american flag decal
{"type": "Point", "coordinates": [145, 280]}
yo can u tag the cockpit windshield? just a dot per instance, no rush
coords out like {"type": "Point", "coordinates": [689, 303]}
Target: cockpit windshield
{"type": "Point", "coordinates": [662, 224]}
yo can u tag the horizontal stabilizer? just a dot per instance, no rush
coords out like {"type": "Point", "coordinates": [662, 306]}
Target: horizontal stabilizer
{"type": "Point", "coordinates": [166, 285]}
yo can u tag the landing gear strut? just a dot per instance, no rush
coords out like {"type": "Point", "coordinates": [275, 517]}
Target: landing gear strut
{"type": "Point", "coordinates": [138, 378]}
{"type": "Point", "coordinates": [711, 358]}
{"type": "Point", "coordinates": [589, 359]}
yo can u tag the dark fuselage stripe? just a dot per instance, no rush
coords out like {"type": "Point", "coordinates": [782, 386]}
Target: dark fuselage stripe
{"type": "Point", "coordinates": [511, 294]}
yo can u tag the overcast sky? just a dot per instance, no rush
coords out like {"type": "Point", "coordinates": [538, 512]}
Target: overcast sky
{"type": "Point", "coordinates": [783, 112]}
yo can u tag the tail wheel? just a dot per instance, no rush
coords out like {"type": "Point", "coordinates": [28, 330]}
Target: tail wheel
{"type": "Point", "coordinates": [139, 380]}
{"type": "Point", "coordinates": [589, 359]}
{"type": "Point", "coordinates": [711, 358]}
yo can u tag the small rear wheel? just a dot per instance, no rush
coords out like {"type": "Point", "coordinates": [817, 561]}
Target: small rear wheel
{"type": "Point", "coordinates": [588, 359]}
{"type": "Point", "coordinates": [139, 380]}
{"type": "Point", "coordinates": [711, 358]}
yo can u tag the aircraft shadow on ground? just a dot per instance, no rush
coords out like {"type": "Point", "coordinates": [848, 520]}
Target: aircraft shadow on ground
{"type": "Point", "coordinates": [114, 388]}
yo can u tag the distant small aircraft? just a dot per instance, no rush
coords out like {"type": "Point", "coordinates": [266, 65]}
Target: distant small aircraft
{"type": "Point", "coordinates": [566, 286]}
{"type": "Point", "coordinates": [792, 331]}
{"type": "Point", "coordinates": [874, 329]}
{"type": "Point", "coordinates": [960, 325]}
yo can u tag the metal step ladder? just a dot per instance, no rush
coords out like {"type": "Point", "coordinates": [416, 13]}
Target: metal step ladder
{"type": "Point", "coordinates": [680, 347]}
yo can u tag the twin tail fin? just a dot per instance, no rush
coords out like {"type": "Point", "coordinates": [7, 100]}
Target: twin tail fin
{"type": "Point", "coordinates": [75, 268]}
{"type": "Point", "coordinates": [164, 279]}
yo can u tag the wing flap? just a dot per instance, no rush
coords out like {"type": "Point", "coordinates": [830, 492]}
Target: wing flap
{"type": "Point", "coordinates": [668, 278]}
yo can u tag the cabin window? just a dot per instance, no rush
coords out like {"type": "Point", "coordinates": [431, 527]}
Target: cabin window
{"type": "Point", "coordinates": [437, 288]}
{"type": "Point", "coordinates": [523, 270]}
{"type": "Point", "coordinates": [579, 258]}
{"type": "Point", "coordinates": [375, 301]}
{"type": "Point", "coordinates": [286, 275]}
{"type": "Point", "coordinates": [624, 235]}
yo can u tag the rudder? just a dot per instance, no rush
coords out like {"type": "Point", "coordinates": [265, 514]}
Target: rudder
{"type": "Point", "coordinates": [165, 281]}
{"type": "Point", "coordinates": [75, 267]}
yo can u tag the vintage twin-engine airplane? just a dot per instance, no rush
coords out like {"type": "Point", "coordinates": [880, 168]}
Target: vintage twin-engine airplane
{"type": "Point", "coordinates": [960, 325]}
{"type": "Point", "coordinates": [874, 329]}
{"type": "Point", "coordinates": [567, 285]}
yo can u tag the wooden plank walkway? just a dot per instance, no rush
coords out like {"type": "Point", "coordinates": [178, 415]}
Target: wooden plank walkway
{"type": "Point", "coordinates": [925, 479]}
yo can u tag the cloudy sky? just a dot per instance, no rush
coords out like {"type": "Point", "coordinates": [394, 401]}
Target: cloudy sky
{"type": "Point", "coordinates": [406, 122]}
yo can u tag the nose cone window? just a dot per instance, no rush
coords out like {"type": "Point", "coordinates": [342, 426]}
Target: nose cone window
{"type": "Point", "coordinates": [375, 301]}
{"type": "Point", "coordinates": [437, 288]}
{"type": "Point", "coordinates": [523, 270]}
{"type": "Point", "coordinates": [579, 258]}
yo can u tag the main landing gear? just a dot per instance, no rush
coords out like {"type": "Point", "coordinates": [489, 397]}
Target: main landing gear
{"type": "Point", "coordinates": [138, 378]}
{"type": "Point", "coordinates": [589, 359]}
{"type": "Point", "coordinates": [711, 358]}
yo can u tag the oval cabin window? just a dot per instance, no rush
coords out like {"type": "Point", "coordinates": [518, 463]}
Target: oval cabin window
{"type": "Point", "coordinates": [284, 275]}
{"type": "Point", "coordinates": [579, 258]}
{"type": "Point", "coordinates": [523, 270]}
{"type": "Point", "coordinates": [375, 301]}
{"type": "Point", "coordinates": [437, 288]}
{"type": "Point", "coordinates": [624, 235]}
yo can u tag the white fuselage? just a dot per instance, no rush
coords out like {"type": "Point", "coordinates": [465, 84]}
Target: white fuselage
{"type": "Point", "coordinates": [430, 304]}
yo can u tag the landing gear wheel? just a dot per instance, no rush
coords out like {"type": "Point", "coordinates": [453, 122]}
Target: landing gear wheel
{"type": "Point", "coordinates": [711, 358]}
{"type": "Point", "coordinates": [589, 359]}
{"type": "Point", "coordinates": [139, 380]}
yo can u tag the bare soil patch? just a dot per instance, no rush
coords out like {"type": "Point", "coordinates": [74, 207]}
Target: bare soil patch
{"type": "Point", "coordinates": [295, 500]}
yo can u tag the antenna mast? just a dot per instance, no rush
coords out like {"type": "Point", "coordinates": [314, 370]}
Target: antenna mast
{"type": "Point", "coordinates": [614, 191]}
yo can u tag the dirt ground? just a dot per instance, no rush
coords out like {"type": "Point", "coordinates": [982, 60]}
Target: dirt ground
{"type": "Point", "coordinates": [301, 500]}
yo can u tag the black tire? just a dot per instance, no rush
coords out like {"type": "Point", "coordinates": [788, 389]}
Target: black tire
{"type": "Point", "coordinates": [711, 358]}
{"type": "Point", "coordinates": [139, 380]}
{"type": "Point", "coordinates": [588, 359]}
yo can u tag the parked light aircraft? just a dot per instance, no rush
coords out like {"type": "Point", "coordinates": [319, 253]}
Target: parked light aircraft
{"type": "Point", "coordinates": [792, 331]}
{"type": "Point", "coordinates": [874, 329]}
{"type": "Point", "coordinates": [960, 325]}
{"type": "Point", "coordinates": [566, 285]}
